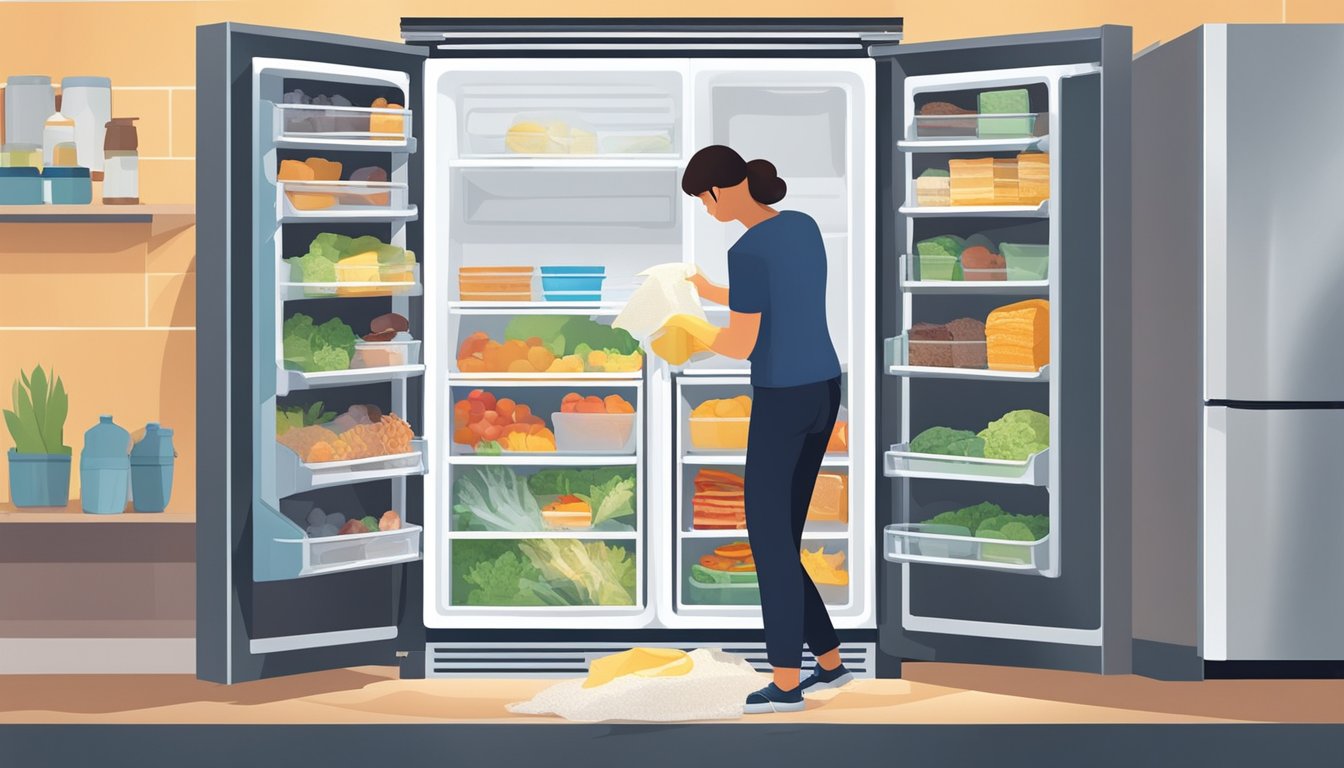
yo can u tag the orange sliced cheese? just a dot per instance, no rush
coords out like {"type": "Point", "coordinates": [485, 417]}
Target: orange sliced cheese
{"type": "Point", "coordinates": [1017, 337]}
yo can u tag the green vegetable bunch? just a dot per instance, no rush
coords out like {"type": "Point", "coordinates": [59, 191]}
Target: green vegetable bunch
{"type": "Point", "coordinates": [495, 499]}
{"type": "Point", "coordinates": [297, 416]}
{"type": "Point", "coordinates": [326, 347]}
{"type": "Point", "coordinates": [1014, 527]}
{"type": "Point", "coordinates": [1017, 435]}
{"type": "Point", "coordinates": [969, 518]}
{"type": "Point", "coordinates": [545, 572]}
{"type": "Point", "coordinates": [318, 265]}
{"type": "Point", "coordinates": [37, 422]}
{"type": "Point", "coordinates": [568, 335]}
{"type": "Point", "coordinates": [945, 441]}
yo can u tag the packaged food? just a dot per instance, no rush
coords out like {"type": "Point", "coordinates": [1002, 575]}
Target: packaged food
{"type": "Point", "coordinates": [1018, 336]}
{"type": "Point", "coordinates": [933, 187]}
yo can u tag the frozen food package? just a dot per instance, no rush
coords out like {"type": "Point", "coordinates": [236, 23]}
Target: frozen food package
{"type": "Point", "coordinates": [664, 293]}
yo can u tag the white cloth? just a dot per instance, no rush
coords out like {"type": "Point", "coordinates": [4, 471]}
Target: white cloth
{"type": "Point", "coordinates": [665, 293]}
{"type": "Point", "coordinates": [714, 689]}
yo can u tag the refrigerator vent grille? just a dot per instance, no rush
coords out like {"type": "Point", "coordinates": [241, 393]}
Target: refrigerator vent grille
{"type": "Point", "coordinates": [572, 659]}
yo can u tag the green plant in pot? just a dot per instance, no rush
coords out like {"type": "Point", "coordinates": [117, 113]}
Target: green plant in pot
{"type": "Point", "coordinates": [39, 462]}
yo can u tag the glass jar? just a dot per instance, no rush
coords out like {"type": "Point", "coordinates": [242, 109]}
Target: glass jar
{"type": "Point", "coordinates": [121, 163]}
{"type": "Point", "coordinates": [29, 99]}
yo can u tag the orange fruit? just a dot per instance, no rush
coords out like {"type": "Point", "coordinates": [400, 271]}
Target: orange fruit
{"type": "Point", "coordinates": [540, 358]}
{"type": "Point", "coordinates": [521, 366]}
{"type": "Point", "coordinates": [465, 436]}
{"type": "Point", "coordinates": [504, 407]}
{"type": "Point", "coordinates": [572, 397]}
{"type": "Point", "coordinates": [616, 404]}
{"type": "Point", "coordinates": [522, 412]}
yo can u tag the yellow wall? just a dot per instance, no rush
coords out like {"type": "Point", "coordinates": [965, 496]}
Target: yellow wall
{"type": "Point", "coordinates": [112, 307]}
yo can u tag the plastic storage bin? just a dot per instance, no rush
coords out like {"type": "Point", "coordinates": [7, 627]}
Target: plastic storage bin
{"type": "Point", "coordinates": [1026, 262]}
{"type": "Point", "coordinates": [385, 354]}
{"type": "Point", "coordinates": [902, 462]}
{"type": "Point", "coordinates": [20, 186]}
{"type": "Point", "coordinates": [701, 593]}
{"type": "Point", "coordinates": [369, 280]}
{"type": "Point", "coordinates": [105, 468]}
{"type": "Point", "coordinates": [948, 354]}
{"type": "Point", "coordinates": [938, 266]}
{"type": "Point", "coordinates": [495, 283]}
{"type": "Point", "coordinates": [314, 121]}
{"type": "Point", "coordinates": [712, 433]}
{"type": "Point", "coordinates": [319, 199]}
{"type": "Point", "coordinates": [572, 283]}
{"type": "Point", "coordinates": [984, 275]}
{"type": "Point", "coordinates": [594, 432]}
{"type": "Point", "coordinates": [67, 186]}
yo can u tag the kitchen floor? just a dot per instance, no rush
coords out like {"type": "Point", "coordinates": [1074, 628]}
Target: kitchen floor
{"type": "Point", "coordinates": [929, 694]}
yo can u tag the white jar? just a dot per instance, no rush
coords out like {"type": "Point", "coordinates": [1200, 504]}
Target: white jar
{"type": "Point", "coordinates": [88, 101]}
{"type": "Point", "coordinates": [58, 129]}
{"type": "Point", "coordinates": [28, 101]}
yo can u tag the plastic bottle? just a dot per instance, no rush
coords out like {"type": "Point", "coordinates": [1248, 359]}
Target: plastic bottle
{"type": "Point", "coordinates": [58, 129]}
{"type": "Point", "coordinates": [152, 469]}
{"type": "Point", "coordinates": [88, 101]}
{"type": "Point", "coordinates": [105, 468]}
{"type": "Point", "coordinates": [121, 163]}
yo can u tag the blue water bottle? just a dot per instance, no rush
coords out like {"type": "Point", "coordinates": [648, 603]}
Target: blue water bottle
{"type": "Point", "coordinates": [105, 468]}
{"type": "Point", "coordinates": [152, 469]}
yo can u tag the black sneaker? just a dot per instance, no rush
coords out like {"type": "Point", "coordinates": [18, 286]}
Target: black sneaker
{"type": "Point", "coordinates": [825, 680]}
{"type": "Point", "coordinates": [771, 699]}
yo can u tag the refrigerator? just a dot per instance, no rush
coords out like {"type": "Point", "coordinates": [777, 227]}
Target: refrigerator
{"type": "Point", "coordinates": [1236, 385]}
{"type": "Point", "coordinates": [514, 157]}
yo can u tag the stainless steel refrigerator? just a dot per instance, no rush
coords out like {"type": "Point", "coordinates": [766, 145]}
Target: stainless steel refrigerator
{"type": "Point", "coordinates": [1238, 375]}
{"type": "Point", "coordinates": [833, 101]}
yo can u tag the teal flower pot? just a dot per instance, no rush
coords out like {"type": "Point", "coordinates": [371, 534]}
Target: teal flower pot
{"type": "Point", "coordinates": [39, 479]}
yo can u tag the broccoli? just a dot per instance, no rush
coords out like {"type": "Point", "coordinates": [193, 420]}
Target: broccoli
{"type": "Point", "coordinates": [330, 359]}
{"type": "Point", "coordinates": [314, 268]}
{"type": "Point", "coordinates": [335, 333]}
{"type": "Point", "coordinates": [939, 440]}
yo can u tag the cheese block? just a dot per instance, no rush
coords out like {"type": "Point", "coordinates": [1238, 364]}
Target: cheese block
{"type": "Point", "coordinates": [324, 170]}
{"type": "Point", "coordinates": [293, 170]}
{"type": "Point", "coordinates": [933, 188]}
{"type": "Point", "coordinates": [976, 182]}
{"type": "Point", "coordinates": [1033, 177]}
{"type": "Point", "coordinates": [391, 127]}
{"type": "Point", "coordinates": [1018, 336]}
{"type": "Point", "coordinates": [830, 499]}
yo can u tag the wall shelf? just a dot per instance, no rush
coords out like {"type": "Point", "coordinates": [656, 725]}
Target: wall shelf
{"type": "Point", "coordinates": [72, 513]}
{"type": "Point", "coordinates": [91, 214]}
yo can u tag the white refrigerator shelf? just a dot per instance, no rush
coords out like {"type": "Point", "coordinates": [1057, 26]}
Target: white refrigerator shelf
{"type": "Point", "coordinates": [294, 381]}
{"type": "Point", "coordinates": [953, 545]}
{"type": "Point", "coordinates": [1041, 211]}
{"type": "Point", "coordinates": [972, 144]}
{"type": "Point", "coordinates": [294, 476]}
{"type": "Point", "coordinates": [281, 549]}
{"type": "Point", "coordinates": [902, 462]}
{"type": "Point", "coordinates": [545, 459]}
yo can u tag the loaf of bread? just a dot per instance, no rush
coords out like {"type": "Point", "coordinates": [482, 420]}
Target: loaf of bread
{"type": "Point", "coordinates": [982, 181]}
{"type": "Point", "coordinates": [967, 355]}
{"type": "Point", "coordinates": [1033, 177]}
{"type": "Point", "coordinates": [1018, 336]}
{"type": "Point", "coordinates": [933, 188]}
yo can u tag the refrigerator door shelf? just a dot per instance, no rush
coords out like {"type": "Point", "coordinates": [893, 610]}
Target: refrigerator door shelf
{"type": "Point", "coordinates": [342, 129]}
{"type": "Point", "coordinates": [951, 144]}
{"type": "Point", "coordinates": [933, 544]}
{"type": "Point", "coordinates": [896, 366]}
{"type": "Point", "coordinates": [283, 551]}
{"type": "Point", "coordinates": [1041, 211]}
{"type": "Point", "coordinates": [294, 381]}
{"type": "Point", "coordinates": [406, 283]}
{"type": "Point", "coordinates": [294, 476]}
{"type": "Point", "coordinates": [910, 284]}
{"type": "Point", "coordinates": [353, 201]}
{"type": "Point", "coordinates": [901, 462]}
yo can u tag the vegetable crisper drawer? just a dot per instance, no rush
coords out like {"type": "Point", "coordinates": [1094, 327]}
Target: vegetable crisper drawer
{"type": "Point", "coordinates": [281, 549]}
{"type": "Point", "coordinates": [296, 476]}
{"type": "Point", "coordinates": [902, 462]}
{"type": "Point", "coordinates": [953, 545]}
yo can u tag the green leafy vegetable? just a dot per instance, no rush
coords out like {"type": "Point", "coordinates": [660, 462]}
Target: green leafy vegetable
{"type": "Point", "coordinates": [611, 500]}
{"type": "Point", "coordinates": [948, 442]}
{"type": "Point", "coordinates": [495, 499]}
{"type": "Point", "coordinates": [566, 335]}
{"type": "Point", "coordinates": [584, 572]}
{"type": "Point", "coordinates": [37, 423]}
{"type": "Point", "coordinates": [969, 518]}
{"type": "Point", "coordinates": [489, 448]}
{"type": "Point", "coordinates": [503, 581]}
{"type": "Point", "coordinates": [566, 482]}
{"type": "Point", "coordinates": [706, 576]}
{"type": "Point", "coordinates": [326, 347]}
{"type": "Point", "coordinates": [295, 417]}
{"type": "Point", "coordinates": [1017, 435]}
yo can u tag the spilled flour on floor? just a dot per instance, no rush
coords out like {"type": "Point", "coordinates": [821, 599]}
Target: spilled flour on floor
{"type": "Point", "coordinates": [714, 689]}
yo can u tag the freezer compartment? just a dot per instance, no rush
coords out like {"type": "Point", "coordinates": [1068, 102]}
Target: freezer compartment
{"type": "Point", "coordinates": [547, 573]}
{"type": "Point", "coordinates": [361, 200]}
{"type": "Point", "coordinates": [706, 580]}
{"type": "Point", "coordinates": [544, 346]}
{"type": "Point", "coordinates": [545, 112]}
{"type": "Point", "coordinates": [541, 498]}
{"type": "Point", "coordinates": [511, 418]}
{"type": "Point", "coordinates": [712, 502]}
{"type": "Point", "coordinates": [902, 462]}
{"type": "Point", "coordinates": [302, 124]}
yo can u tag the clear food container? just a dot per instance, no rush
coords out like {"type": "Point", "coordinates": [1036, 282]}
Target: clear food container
{"type": "Point", "coordinates": [609, 433]}
{"type": "Point", "coordinates": [984, 275]}
{"type": "Point", "coordinates": [385, 354]}
{"type": "Point", "coordinates": [716, 434]}
{"type": "Point", "coordinates": [702, 593]}
{"type": "Point", "coordinates": [948, 354]}
{"type": "Point", "coordinates": [902, 462]}
{"type": "Point", "coordinates": [572, 283]}
{"type": "Point", "coordinates": [546, 577]}
{"type": "Point", "coordinates": [938, 266]}
{"type": "Point", "coordinates": [354, 280]}
{"type": "Point", "coordinates": [550, 134]}
{"type": "Point", "coordinates": [923, 542]}
{"type": "Point", "coordinates": [944, 126]}
{"type": "Point", "coordinates": [316, 199]}
{"type": "Point", "coordinates": [312, 121]}
{"type": "Point", "coordinates": [505, 283]}
{"type": "Point", "coordinates": [984, 126]}
{"type": "Point", "coordinates": [1026, 261]}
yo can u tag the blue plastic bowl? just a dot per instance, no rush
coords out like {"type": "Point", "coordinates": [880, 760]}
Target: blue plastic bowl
{"type": "Point", "coordinates": [573, 270]}
{"type": "Point", "coordinates": [571, 283]}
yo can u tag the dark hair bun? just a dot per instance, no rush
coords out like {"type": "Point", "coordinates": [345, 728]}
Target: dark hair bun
{"type": "Point", "coordinates": [764, 182]}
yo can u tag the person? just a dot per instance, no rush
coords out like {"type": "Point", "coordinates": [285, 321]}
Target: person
{"type": "Point", "coordinates": [777, 296]}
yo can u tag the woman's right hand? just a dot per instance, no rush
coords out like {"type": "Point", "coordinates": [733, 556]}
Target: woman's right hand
{"type": "Point", "coordinates": [700, 282]}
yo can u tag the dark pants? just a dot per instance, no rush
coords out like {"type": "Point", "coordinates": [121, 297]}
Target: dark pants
{"type": "Point", "coordinates": [790, 427]}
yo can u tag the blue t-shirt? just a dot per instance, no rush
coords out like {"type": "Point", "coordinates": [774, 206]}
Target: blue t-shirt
{"type": "Point", "coordinates": [778, 268]}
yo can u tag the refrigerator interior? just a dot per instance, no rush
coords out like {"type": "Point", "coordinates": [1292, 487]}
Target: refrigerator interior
{"type": "Point", "coordinates": [310, 479]}
{"type": "Point", "coordinates": [577, 164]}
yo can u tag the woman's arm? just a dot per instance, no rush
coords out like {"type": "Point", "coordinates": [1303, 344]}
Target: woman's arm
{"type": "Point", "coordinates": [717, 294]}
{"type": "Point", "coordinates": [739, 338]}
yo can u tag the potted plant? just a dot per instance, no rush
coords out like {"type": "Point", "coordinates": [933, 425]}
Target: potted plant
{"type": "Point", "coordinates": [39, 462]}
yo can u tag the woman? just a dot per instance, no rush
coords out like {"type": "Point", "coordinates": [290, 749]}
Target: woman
{"type": "Point", "coordinates": [777, 293]}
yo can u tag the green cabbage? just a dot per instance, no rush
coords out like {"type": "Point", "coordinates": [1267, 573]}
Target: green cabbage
{"type": "Point", "coordinates": [495, 499]}
{"type": "Point", "coordinates": [948, 442]}
{"type": "Point", "coordinates": [1017, 435]}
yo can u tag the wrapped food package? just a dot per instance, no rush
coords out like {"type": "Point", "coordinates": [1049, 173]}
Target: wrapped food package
{"type": "Point", "coordinates": [934, 188]}
{"type": "Point", "coordinates": [970, 355]}
{"type": "Point", "coordinates": [939, 257]}
{"type": "Point", "coordinates": [1008, 102]}
{"type": "Point", "coordinates": [1018, 336]}
{"type": "Point", "coordinates": [983, 181]}
{"type": "Point", "coordinates": [1033, 177]}
{"type": "Point", "coordinates": [830, 499]}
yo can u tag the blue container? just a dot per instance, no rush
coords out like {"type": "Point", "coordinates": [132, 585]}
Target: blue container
{"type": "Point", "coordinates": [105, 468]}
{"type": "Point", "coordinates": [39, 479]}
{"type": "Point", "coordinates": [20, 186]}
{"type": "Point", "coordinates": [152, 469]}
{"type": "Point", "coordinates": [68, 186]}
{"type": "Point", "coordinates": [572, 283]}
